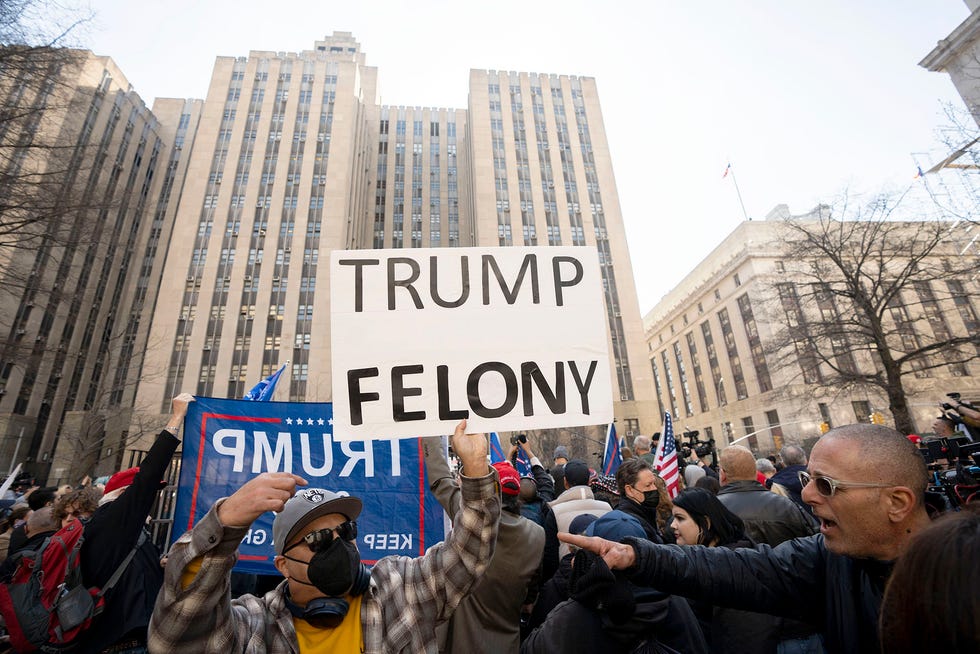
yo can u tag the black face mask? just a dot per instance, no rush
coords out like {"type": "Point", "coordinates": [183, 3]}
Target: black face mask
{"type": "Point", "coordinates": [333, 569]}
{"type": "Point", "coordinates": [651, 499]}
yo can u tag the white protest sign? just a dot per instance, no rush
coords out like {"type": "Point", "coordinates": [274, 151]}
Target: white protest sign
{"type": "Point", "coordinates": [509, 338]}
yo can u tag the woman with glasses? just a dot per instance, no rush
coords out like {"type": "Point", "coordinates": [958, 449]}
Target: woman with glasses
{"type": "Point", "coordinates": [701, 519]}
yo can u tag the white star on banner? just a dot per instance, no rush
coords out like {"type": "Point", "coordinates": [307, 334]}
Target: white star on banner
{"type": "Point", "coordinates": [320, 421]}
{"type": "Point", "coordinates": [289, 421]}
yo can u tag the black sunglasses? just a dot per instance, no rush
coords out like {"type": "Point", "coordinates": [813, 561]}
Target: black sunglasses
{"type": "Point", "coordinates": [319, 539]}
{"type": "Point", "coordinates": [827, 486]}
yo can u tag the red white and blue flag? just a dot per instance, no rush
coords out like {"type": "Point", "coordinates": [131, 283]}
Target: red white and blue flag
{"type": "Point", "coordinates": [613, 455]}
{"type": "Point", "coordinates": [665, 459]}
{"type": "Point", "coordinates": [727, 170]}
{"type": "Point", "coordinates": [522, 463]}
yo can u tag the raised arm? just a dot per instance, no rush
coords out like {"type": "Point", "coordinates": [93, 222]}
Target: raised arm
{"type": "Point", "coordinates": [788, 580]}
{"type": "Point", "coordinates": [441, 481]}
{"type": "Point", "coordinates": [193, 612]}
{"type": "Point", "coordinates": [436, 582]}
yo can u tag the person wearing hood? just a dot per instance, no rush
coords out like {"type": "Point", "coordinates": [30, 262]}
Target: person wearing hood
{"type": "Point", "coordinates": [606, 613]}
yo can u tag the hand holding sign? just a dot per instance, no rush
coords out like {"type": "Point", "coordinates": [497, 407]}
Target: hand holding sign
{"type": "Point", "coordinates": [472, 451]}
{"type": "Point", "coordinates": [267, 492]}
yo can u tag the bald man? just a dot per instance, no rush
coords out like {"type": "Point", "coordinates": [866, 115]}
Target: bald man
{"type": "Point", "coordinates": [866, 484]}
{"type": "Point", "coordinates": [769, 518]}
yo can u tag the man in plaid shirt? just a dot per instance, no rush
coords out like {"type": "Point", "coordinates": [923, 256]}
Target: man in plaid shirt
{"type": "Point", "coordinates": [328, 601]}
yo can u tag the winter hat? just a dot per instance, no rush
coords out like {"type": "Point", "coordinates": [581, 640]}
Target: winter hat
{"type": "Point", "coordinates": [605, 483]}
{"type": "Point", "coordinates": [576, 473]}
{"type": "Point", "coordinates": [561, 452]}
{"type": "Point", "coordinates": [581, 522]}
{"type": "Point", "coordinates": [121, 479]}
{"type": "Point", "coordinates": [616, 526]}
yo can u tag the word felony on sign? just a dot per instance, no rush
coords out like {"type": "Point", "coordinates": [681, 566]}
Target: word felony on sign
{"type": "Point", "coordinates": [530, 378]}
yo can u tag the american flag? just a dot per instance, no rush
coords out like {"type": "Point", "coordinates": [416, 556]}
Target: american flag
{"type": "Point", "coordinates": [665, 459]}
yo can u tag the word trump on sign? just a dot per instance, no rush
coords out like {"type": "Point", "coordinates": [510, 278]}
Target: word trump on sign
{"type": "Point", "coordinates": [509, 338]}
{"type": "Point", "coordinates": [229, 442]}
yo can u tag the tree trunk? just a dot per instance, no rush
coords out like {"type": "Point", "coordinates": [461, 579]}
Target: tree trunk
{"type": "Point", "coordinates": [897, 402]}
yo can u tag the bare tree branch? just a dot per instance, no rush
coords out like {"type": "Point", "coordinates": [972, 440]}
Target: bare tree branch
{"type": "Point", "coordinates": [865, 307]}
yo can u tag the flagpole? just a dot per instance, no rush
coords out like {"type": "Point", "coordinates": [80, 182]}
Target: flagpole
{"type": "Point", "coordinates": [731, 169]}
{"type": "Point", "coordinates": [285, 368]}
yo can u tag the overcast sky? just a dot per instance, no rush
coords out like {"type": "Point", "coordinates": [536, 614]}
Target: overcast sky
{"type": "Point", "coordinates": [803, 98]}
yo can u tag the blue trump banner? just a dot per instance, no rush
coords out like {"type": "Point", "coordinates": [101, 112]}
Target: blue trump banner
{"type": "Point", "coordinates": [228, 442]}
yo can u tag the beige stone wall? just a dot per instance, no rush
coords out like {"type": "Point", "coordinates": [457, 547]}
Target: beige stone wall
{"type": "Point", "coordinates": [753, 253]}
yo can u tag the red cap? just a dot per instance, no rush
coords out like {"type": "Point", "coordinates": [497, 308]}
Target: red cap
{"type": "Point", "coordinates": [120, 480]}
{"type": "Point", "coordinates": [510, 481]}
{"type": "Point", "coordinates": [915, 438]}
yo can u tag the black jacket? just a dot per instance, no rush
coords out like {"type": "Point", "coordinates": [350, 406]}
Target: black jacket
{"type": "Point", "coordinates": [110, 534]}
{"type": "Point", "coordinates": [596, 622]}
{"type": "Point", "coordinates": [731, 631]}
{"type": "Point", "coordinates": [800, 579]}
{"type": "Point", "coordinates": [537, 510]}
{"type": "Point", "coordinates": [769, 518]}
{"type": "Point", "coordinates": [646, 520]}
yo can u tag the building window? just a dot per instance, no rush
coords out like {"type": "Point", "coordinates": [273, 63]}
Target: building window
{"type": "Point", "coordinates": [749, 427]}
{"type": "Point", "coordinates": [775, 430]}
{"type": "Point", "coordinates": [862, 410]}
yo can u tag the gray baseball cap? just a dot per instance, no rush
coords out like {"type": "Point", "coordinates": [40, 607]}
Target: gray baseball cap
{"type": "Point", "coordinates": [306, 506]}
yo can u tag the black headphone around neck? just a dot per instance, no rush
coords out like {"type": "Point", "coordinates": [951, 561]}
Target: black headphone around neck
{"type": "Point", "coordinates": [329, 612]}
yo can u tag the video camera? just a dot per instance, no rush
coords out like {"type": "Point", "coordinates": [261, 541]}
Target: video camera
{"type": "Point", "coordinates": [698, 447]}
{"type": "Point", "coordinates": [946, 406]}
{"type": "Point", "coordinates": [952, 413]}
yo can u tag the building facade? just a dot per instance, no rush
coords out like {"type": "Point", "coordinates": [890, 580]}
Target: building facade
{"type": "Point", "coordinates": [94, 168]}
{"type": "Point", "coordinates": [293, 156]}
{"type": "Point", "coordinates": [959, 56]}
{"type": "Point", "coordinates": [720, 370]}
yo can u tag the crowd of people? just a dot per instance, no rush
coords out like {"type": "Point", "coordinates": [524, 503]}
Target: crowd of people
{"type": "Point", "coordinates": [831, 551]}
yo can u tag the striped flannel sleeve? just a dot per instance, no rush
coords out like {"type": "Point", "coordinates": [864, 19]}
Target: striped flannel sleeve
{"type": "Point", "coordinates": [415, 594]}
{"type": "Point", "coordinates": [199, 618]}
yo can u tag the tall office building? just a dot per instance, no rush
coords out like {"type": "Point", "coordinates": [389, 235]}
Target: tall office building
{"type": "Point", "coordinates": [198, 265]}
{"type": "Point", "coordinates": [87, 172]}
{"type": "Point", "coordinates": [294, 157]}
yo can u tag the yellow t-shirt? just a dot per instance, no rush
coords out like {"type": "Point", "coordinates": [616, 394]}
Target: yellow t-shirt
{"type": "Point", "coordinates": [346, 637]}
